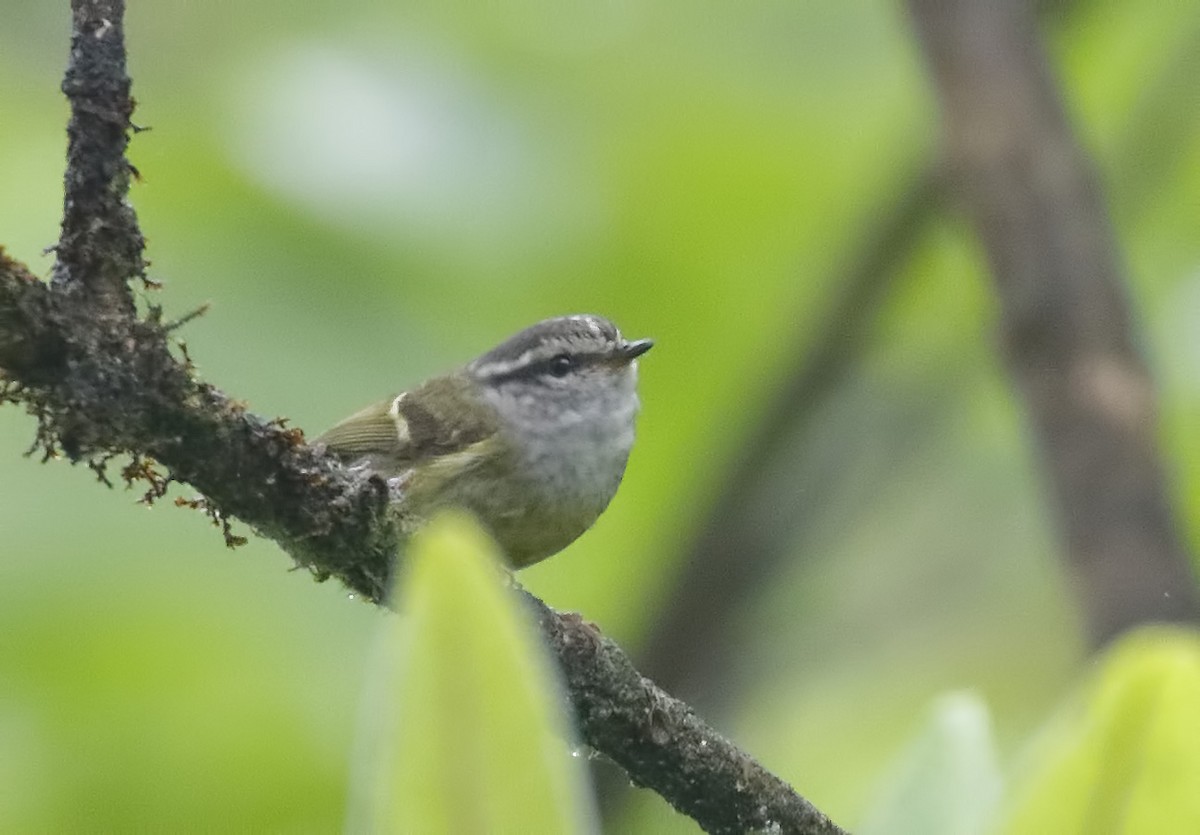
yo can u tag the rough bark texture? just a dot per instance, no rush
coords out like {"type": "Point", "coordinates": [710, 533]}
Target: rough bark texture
{"type": "Point", "coordinates": [105, 381]}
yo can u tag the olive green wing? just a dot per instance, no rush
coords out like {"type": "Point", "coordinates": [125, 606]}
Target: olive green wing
{"type": "Point", "coordinates": [377, 434]}
{"type": "Point", "coordinates": [445, 416]}
{"type": "Point", "coordinates": [441, 418]}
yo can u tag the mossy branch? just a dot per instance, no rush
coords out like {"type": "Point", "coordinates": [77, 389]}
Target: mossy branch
{"type": "Point", "coordinates": [104, 380]}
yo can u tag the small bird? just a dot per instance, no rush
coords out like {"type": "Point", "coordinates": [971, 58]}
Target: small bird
{"type": "Point", "coordinates": [531, 437]}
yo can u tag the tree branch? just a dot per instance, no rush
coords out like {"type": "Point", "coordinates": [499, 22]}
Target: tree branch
{"type": "Point", "coordinates": [103, 381]}
{"type": "Point", "coordinates": [100, 247]}
{"type": "Point", "coordinates": [663, 745]}
{"type": "Point", "coordinates": [1066, 327]}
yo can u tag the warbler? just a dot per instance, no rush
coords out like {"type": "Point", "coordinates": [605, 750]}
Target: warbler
{"type": "Point", "coordinates": [532, 437]}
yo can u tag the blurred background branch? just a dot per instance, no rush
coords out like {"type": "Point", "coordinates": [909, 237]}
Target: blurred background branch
{"type": "Point", "coordinates": [1066, 328]}
{"type": "Point", "coordinates": [756, 513]}
{"type": "Point", "coordinates": [111, 387]}
{"type": "Point", "coordinates": [759, 507]}
{"type": "Point", "coordinates": [370, 193]}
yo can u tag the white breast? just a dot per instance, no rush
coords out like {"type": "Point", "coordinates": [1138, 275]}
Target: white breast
{"type": "Point", "coordinates": [575, 447]}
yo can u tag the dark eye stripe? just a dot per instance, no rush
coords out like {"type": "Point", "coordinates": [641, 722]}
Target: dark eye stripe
{"type": "Point", "coordinates": [546, 367]}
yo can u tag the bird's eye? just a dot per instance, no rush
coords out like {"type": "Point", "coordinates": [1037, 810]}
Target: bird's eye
{"type": "Point", "coordinates": [561, 365]}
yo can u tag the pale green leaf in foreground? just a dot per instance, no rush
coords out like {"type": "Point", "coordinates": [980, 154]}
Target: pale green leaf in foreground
{"type": "Point", "coordinates": [472, 736]}
{"type": "Point", "coordinates": [946, 781]}
{"type": "Point", "coordinates": [1124, 756]}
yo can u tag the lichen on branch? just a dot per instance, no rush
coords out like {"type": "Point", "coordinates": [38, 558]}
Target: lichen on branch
{"type": "Point", "coordinates": [105, 381]}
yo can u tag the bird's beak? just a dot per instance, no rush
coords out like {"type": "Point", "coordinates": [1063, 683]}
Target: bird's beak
{"type": "Point", "coordinates": [633, 350]}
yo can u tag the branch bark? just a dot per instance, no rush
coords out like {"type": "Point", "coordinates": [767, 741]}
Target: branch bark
{"type": "Point", "coordinates": [1066, 328]}
{"type": "Point", "coordinates": [103, 381]}
{"type": "Point", "coordinates": [100, 247]}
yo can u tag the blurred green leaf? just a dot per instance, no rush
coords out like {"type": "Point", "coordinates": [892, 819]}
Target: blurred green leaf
{"type": "Point", "coordinates": [947, 780]}
{"type": "Point", "coordinates": [1124, 756]}
{"type": "Point", "coordinates": [702, 179]}
{"type": "Point", "coordinates": [476, 739]}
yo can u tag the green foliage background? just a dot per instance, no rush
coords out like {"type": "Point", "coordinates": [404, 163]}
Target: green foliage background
{"type": "Point", "coordinates": [373, 192]}
{"type": "Point", "coordinates": [465, 711]}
